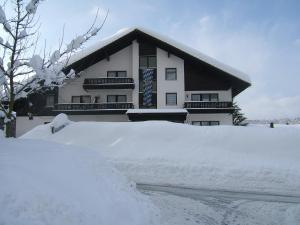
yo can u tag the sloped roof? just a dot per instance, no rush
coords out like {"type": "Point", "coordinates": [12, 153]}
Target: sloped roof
{"type": "Point", "coordinates": [193, 52]}
{"type": "Point", "coordinates": [124, 37]}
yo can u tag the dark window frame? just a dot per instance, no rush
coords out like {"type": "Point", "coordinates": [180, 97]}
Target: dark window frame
{"type": "Point", "coordinates": [209, 94]}
{"type": "Point", "coordinates": [76, 96]}
{"type": "Point", "coordinates": [116, 73]}
{"type": "Point", "coordinates": [204, 121]}
{"type": "Point", "coordinates": [81, 98]}
{"type": "Point", "coordinates": [147, 59]}
{"type": "Point", "coordinates": [171, 93]}
{"type": "Point", "coordinates": [116, 98]}
{"type": "Point", "coordinates": [166, 72]}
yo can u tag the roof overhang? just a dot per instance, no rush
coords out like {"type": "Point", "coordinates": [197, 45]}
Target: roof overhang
{"type": "Point", "coordinates": [87, 57]}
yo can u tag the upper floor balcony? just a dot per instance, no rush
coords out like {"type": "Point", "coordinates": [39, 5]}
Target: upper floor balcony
{"type": "Point", "coordinates": [109, 83]}
{"type": "Point", "coordinates": [208, 107]}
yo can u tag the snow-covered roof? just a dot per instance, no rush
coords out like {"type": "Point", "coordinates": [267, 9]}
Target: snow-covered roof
{"type": "Point", "coordinates": [193, 52]}
{"type": "Point", "coordinates": [156, 111]}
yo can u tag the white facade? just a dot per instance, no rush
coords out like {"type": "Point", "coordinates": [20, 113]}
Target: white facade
{"type": "Point", "coordinates": [165, 60]}
{"type": "Point", "coordinates": [120, 61]}
{"type": "Point", "coordinates": [127, 60]}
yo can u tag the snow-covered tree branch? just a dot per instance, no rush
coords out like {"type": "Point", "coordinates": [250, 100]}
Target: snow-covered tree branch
{"type": "Point", "coordinates": [21, 69]}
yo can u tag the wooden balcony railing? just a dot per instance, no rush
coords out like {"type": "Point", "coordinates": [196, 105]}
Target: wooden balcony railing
{"type": "Point", "coordinates": [109, 83]}
{"type": "Point", "coordinates": [93, 106]}
{"type": "Point", "coordinates": [207, 105]}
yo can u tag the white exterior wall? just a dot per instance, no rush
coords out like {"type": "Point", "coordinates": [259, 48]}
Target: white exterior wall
{"type": "Point", "coordinates": [121, 60]}
{"type": "Point", "coordinates": [223, 118]}
{"type": "Point", "coordinates": [135, 73]}
{"type": "Point", "coordinates": [224, 96]}
{"type": "Point", "coordinates": [173, 86]}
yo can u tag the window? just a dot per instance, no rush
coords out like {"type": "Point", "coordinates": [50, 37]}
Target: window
{"type": "Point", "coordinates": [143, 61]}
{"type": "Point", "coordinates": [214, 97]}
{"type": "Point", "coordinates": [96, 99]}
{"type": "Point", "coordinates": [116, 98]}
{"type": "Point", "coordinates": [205, 123]}
{"type": "Point", "coordinates": [214, 123]}
{"type": "Point", "coordinates": [171, 98]}
{"type": "Point", "coordinates": [151, 61]}
{"type": "Point", "coordinates": [86, 99]}
{"type": "Point", "coordinates": [112, 74]}
{"type": "Point", "coordinates": [81, 99]}
{"type": "Point", "coordinates": [196, 123]}
{"type": "Point", "coordinates": [75, 99]}
{"type": "Point", "coordinates": [205, 97]}
{"type": "Point", "coordinates": [196, 97]}
{"type": "Point", "coordinates": [147, 61]}
{"type": "Point", "coordinates": [171, 74]}
{"type": "Point", "coordinates": [50, 101]}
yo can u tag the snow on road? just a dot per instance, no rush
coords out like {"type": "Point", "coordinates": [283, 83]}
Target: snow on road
{"type": "Point", "coordinates": [176, 210]}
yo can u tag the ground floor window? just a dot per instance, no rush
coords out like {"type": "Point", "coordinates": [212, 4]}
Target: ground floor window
{"type": "Point", "coordinates": [205, 123]}
{"type": "Point", "coordinates": [116, 98]}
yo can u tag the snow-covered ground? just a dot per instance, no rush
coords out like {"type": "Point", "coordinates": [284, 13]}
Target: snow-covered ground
{"type": "Point", "coordinates": [176, 210]}
{"type": "Point", "coordinates": [254, 158]}
{"type": "Point", "coordinates": [50, 183]}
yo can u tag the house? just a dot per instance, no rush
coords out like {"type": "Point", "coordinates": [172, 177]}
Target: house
{"type": "Point", "coordinates": [138, 75]}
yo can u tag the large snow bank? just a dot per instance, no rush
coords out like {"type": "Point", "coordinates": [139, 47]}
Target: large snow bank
{"type": "Point", "coordinates": [50, 183]}
{"type": "Point", "coordinates": [221, 157]}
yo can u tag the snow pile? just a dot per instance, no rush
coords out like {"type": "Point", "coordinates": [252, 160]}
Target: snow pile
{"type": "Point", "coordinates": [59, 122]}
{"type": "Point", "coordinates": [49, 183]}
{"type": "Point", "coordinates": [222, 157]}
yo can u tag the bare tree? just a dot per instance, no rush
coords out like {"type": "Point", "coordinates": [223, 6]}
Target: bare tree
{"type": "Point", "coordinates": [21, 69]}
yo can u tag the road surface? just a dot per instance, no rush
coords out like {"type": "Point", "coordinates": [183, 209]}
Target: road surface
{"type": "Point", "coordinates": [189, 206]}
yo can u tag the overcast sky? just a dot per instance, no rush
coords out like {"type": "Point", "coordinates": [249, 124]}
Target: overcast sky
{"type": "Point", "coordinates": [260, 38]}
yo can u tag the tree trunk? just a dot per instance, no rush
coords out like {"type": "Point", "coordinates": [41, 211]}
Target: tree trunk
{"type": "Point", "coordinates": [10, 128]}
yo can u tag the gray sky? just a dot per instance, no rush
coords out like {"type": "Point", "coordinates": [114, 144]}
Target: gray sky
{"type": "Point", "coordinates": [260, 38]}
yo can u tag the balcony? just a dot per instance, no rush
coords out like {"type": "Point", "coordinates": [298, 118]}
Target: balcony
{"type": "Point", "coordinates": [93, 108]}
{"type": "Point", "coordinates": [208, 107]}
{"type": "Point", "coordinates": [109, 83]}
